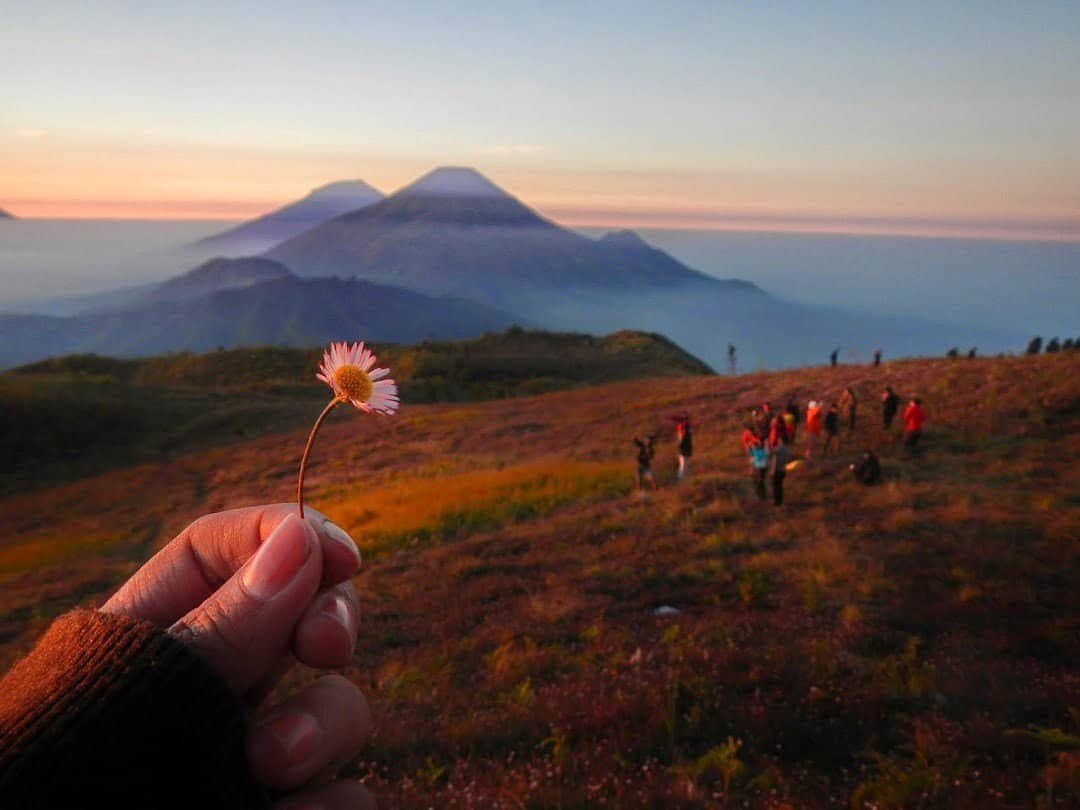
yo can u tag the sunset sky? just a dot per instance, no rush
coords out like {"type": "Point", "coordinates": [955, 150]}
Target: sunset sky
{"type": "Point", "coordinates": [937, 118]}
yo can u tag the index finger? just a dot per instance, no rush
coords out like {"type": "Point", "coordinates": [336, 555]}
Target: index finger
{"type": "Point", "coordinates": [207, 553]}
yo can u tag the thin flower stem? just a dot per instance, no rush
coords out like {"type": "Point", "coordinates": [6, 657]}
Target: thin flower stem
{"type": "Point", "coordinates": [307, 450]}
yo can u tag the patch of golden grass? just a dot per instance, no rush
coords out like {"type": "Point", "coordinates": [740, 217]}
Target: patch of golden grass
{"type": "Point", "coordinates": [41, 551]}
{"type": "Point", "coordinates": [458, 505]}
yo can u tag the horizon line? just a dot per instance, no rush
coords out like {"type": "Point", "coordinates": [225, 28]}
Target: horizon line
{"type": "Point", "coordinates": [1054, 228]}
{"type": "Point", "coordinates": [879, 227]}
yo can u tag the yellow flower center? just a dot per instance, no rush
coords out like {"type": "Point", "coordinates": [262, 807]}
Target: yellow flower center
{"type": "Point", "coordinates": [354, 383]}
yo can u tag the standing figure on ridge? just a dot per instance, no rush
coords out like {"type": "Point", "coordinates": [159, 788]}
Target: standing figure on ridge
{"type": "Point", "coordinates": [833, 357]}
{"type": "Point", "coordinates": [731, 359]}
{"type": "Point", "coordinates": [877, 357]}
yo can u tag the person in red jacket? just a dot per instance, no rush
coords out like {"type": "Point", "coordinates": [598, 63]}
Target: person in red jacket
{"type": "Point", "coordinates": [914, 419]}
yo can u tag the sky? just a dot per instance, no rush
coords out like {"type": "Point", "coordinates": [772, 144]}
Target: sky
{"type": "Point", "coordinates": [942, 118]}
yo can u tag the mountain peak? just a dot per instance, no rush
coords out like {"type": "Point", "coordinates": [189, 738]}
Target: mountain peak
{"type": "Point", "coordinates": [5, 215]}
{"type": "Point", "coordinates": [453, 181]}
{"type": "Point", "coordinates": [344, 188]}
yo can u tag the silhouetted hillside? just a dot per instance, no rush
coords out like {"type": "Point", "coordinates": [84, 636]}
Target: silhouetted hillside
{"type": "Point", "coordinates": [5, 215]}
{"type": "Point", "coordinates": [214, 276]}
{"type": "Point", "coordinates": [140, 408]}
{"type": "Point", "coordinates": [283, 312]}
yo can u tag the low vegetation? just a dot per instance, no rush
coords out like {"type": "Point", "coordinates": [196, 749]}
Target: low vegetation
{"type": "Point", "coordinates": [536, 635]}
{"type": "Point", "coordinates": [72, 416]}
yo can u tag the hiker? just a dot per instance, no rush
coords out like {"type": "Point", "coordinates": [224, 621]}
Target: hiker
{"type": "Point", "coordinates": [731, 358]}
{"type": "Point", "coordinates": [867, 470]}
{"type": "Point", "coordinates": [877, 357]}
{"type": "Point", "coordinates": [686, 445]}
{"type": "Point", "coordinates": [890, 404]}
{"type": "Point", "coordinates": [848, 404]}
{"type": "Point", "coordinates": [646, 451]}
{"type": "Point", "coordinates": [832, 430]}
{"type": "Point", "coordinates": [760, 417]}
{"type": "Point", "coordinates": [814, 427]}
{"type": "Point", "coordinates": [791, 417]}
{"type": "Point", "coordinates": [148, 700]}
{"type": "Point", "coordinates": [778, 456]}
{"type": "Point", "coordinates": [914, 419]}
{"type": "Point", "coordinates": [833, 356]}
{"type": "Point", "coordinates": [758, 454]}
{"type": "Point", "coordinates": [973, 352]}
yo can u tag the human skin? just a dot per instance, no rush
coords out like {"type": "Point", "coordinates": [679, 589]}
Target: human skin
{"type": "Point", "coordinates": [252, 591]}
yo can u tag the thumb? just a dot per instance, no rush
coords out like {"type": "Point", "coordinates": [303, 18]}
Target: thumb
{"type": "Point", "coordinates": [243, 629]}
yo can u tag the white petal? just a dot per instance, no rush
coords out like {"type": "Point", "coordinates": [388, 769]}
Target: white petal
{"type": "Point", "coordinates": [378, 374]}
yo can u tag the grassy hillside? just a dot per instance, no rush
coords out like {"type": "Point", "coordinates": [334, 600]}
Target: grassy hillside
{"type": "Point", "coordinates": [910, 644]}
{"type": "Point", "coordinates": [76, 415]}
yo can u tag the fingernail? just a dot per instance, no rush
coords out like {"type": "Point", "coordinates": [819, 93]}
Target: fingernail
{"type": "Point", "coordinates": [340, 536]}
{"type": "Point", "coordinates": [340, 611]}
{"type": "Point", "coordinates": [279, 558]}
{"type": "Point", "coordinates": [296, 734]}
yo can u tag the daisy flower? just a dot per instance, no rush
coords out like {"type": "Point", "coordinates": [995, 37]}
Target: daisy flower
{"type": "Point", "coordinates": [349, 370]}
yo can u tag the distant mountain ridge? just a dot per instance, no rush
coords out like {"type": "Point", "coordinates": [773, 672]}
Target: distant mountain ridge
{"type": "Point", "coordinates": [5, 215]}
{"type": "Point", "coordinates": [214, 276]}
{"type": "Point", "coordinates": [285, 311]}
{"type": "Point", "coordinates": [321, 204]}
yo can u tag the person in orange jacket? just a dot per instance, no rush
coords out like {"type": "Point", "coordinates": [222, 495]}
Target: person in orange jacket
{"type": "Point", "coordinates": [914, 419]}
{"type": "Point", "coordinates": [814, 427]}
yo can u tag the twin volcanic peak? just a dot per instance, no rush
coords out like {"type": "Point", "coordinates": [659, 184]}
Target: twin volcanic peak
{"type": "Point", "coordinates": [320, 205]}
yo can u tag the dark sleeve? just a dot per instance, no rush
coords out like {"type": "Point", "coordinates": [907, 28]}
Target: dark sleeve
{"type": "Point", "coordinates": [108, 711]}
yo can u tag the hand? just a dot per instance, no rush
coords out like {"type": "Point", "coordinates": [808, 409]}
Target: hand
{"type": "Point", "coordinates": [248, 590]}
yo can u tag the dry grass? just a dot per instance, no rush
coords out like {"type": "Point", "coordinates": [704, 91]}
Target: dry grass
{"type": "Point", "coordinates": [910, 644]}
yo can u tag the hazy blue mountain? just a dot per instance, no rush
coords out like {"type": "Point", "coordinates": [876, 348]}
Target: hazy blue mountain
{"type": "Point", "coordinates": [5, 215]}
{"type": "Point", "coordinates": [455, 232]}
{"type": "Point", "coordinates": [214, 276]}
{"type": "Point", "coordinates": [284, 311]}
{"type": "Point", "coordinates": [322, 204]}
